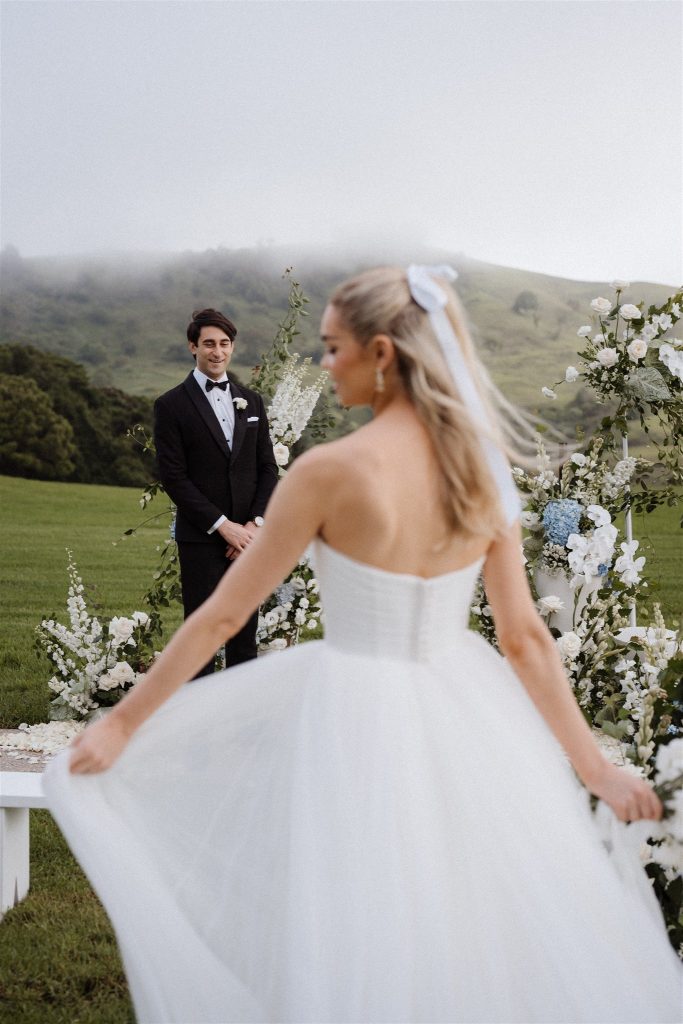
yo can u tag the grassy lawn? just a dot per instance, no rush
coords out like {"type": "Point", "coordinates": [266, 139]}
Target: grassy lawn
{"type": "Point", "coordinates": [41, 520]}
{"type": "Point", "coordinates": [58, 957]}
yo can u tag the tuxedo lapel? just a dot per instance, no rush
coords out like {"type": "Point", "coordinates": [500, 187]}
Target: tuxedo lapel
{"type": "Point", "coordinates": [207, 414]}
{"type": "Point", "coordinates": [240, 427]}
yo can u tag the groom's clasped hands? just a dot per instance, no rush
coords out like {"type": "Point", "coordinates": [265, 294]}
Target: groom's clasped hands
{"type": "Point", "coordinates": [238, 537]}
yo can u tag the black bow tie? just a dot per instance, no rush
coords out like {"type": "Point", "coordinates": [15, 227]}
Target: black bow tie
{"type": "Point", "coordinates": [222, 384]}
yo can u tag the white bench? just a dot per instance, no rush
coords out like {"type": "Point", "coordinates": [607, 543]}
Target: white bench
{"type": "Point", "coordinates": [19, 791]}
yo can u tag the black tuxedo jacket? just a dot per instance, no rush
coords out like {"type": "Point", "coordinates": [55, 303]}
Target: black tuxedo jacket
{"type": "Point", "coordinates": [203, 477]}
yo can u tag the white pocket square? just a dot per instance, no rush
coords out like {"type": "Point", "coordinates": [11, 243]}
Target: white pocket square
{"type": "Point", "coordinates": [252, 419]}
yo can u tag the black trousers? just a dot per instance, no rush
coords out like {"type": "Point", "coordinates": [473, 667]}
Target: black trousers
{"type": "Point", "coordinates": [201, 569]}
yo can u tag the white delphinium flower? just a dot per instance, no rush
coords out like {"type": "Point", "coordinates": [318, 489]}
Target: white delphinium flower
{"type": "Point", "coordinates": [601, 306]}
{"type": "Point", "coordinates": [571, 374]}
{"type": "Point", "coordinates": [293, 403]}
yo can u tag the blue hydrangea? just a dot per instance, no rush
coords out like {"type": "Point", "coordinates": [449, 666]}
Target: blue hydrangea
{"type": "Point", "coordinates": [561, 517]}
{"type": "Point", "coordinates": [603, 569]}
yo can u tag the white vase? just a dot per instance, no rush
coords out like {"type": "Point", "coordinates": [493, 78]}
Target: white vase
{"type": "Point", "coordinates": [574, 600]}
{"type": "Point", "coordinates": [557, 586]}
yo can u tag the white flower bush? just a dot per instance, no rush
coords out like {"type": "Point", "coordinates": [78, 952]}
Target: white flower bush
{"type": "Point", "coordinates": [92, 662]}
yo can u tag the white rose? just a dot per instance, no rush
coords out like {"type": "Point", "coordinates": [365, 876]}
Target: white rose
{"type": "Point", "coordinates": [569, 645]}
{"type": "Point", "coordinates": [630, 312]}
{"type": "Point", "coordinates": [119, 675]}
{"type": "Point", "coordinates": [571, 374]}
{"type": "Point", "coordinates": [601, 306]}
{"type": "Point", "coordinates": [281, 453]}
{"type": "Point", "coordinates": [140, 618]}
{"type": "Point", "coordinates": [649, 331]}
{"type": "Point", "coordinates": [311, 624]}
{"type": "Point", "coordinates": [548, 392]}
{"type": "Point", "coordinates": [584, 331]}
{"type": "Point", "coordinates": [550, 604]}
{"type": "Point", "coordinates": [619, 285]}
{"type": "Point", "coordinates": [607, 357]}
{"type": "Point", "coordinates": [637, 349]}
{"type": "Point", "coordinates": [530, 519]}
{"type": "Point", "coordinates": [121, 629]}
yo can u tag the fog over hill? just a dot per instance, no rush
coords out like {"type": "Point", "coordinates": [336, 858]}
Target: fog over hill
{"type": "Point", "coordinates": [123, 317]}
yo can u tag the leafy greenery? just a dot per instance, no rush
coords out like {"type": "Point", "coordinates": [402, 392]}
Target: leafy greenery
{"type": "Point", "coordinates": [34, 440]}
{"type": "Point", "coordinates": [54, 424]}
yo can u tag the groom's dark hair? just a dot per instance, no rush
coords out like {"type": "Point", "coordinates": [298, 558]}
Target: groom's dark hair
{"type": "Point", "coordinates": [209, 318]}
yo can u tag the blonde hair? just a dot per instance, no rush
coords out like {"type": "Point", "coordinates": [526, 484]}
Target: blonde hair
{"type": "Point", "coordinates": [379, 302]}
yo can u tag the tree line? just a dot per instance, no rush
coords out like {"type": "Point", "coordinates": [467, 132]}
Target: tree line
{"type": "Point", "coordinates": [55, 425]}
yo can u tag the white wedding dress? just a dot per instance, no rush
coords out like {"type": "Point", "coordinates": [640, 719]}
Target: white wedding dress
{"type": "Point", "coordinates": [377, 827]}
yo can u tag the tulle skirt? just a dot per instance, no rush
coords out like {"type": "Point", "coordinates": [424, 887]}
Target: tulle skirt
{"type": "Point", "coordinates": [319, 836]}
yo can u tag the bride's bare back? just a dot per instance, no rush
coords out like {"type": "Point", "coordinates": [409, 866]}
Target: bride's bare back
{"type": "Point", "coordinates": [384, 504]}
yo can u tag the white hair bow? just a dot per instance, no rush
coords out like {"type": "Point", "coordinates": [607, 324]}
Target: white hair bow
{"type": "Point", "coordinates": [424, 289]}
{"type": "Point", "coordinates": [433, 299]}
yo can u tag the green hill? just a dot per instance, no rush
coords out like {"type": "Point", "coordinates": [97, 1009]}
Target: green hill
{"type": "Point", "coordinates": [124, 319]}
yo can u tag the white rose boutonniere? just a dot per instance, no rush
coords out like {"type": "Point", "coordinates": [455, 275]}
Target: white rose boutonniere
{"type": "Point", "coordinates": [240, 403]}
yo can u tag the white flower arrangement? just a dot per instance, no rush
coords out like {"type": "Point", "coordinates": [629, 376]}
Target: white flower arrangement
{"type": "Point", "coordinates": [292, 406]}
{"type": "Point", "coordinates": [93, 662]}
{"type": "Point", "coordinates": [292, 613]}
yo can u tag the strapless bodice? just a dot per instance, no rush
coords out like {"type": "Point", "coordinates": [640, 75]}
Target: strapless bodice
{"type": "Point", "coordinates": [373, 611]}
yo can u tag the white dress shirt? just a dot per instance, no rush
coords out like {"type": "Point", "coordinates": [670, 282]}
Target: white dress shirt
{"type": "Point", "coordinates": [224, 410]}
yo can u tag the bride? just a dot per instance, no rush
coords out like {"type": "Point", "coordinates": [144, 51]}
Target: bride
{"type": "Point", "coordinates": [380, 826]}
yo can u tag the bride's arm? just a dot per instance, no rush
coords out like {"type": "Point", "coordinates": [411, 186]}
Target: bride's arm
{"type": "Point", "coordinates": [295, 515]}
{"type": "Point", "coordinates": [529, 647]}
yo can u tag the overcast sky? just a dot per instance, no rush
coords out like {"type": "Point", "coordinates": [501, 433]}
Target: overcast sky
{"type": "Point", "coordinates": [543, 135]}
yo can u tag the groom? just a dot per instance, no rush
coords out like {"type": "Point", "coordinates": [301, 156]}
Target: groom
{"type": "Point", "coordinates": [216, 463]}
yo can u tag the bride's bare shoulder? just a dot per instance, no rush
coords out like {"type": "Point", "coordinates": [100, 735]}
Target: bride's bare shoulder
{"type": "Point", "coordinates": [346, 458]}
